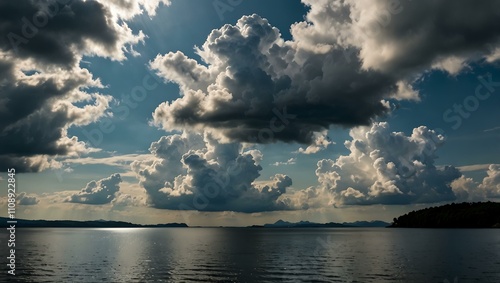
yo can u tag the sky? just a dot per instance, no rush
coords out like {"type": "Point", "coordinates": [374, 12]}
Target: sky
{"type": "Point", "coordinates": [238, 112]}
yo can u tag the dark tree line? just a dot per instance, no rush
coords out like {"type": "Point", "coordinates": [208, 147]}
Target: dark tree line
{"type": "Point", "coordinates": [455, 215]}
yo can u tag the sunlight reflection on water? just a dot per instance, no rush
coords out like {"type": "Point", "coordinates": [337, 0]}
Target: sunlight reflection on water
{"type": "Point", "coordinates": [256, 255]}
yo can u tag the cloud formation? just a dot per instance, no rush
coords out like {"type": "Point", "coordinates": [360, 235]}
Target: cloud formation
{"type": "Point", "coordinates": [255, 80]}
{"type": "Point", "coordinates": [130, 8]}
{"type": "Point", "coordinates": [37, 110]}
{"type": "Point", "coordinates": [403, 36]}
{"type": "Point", "coordinates": [98, 192]}
{"type": "Point", "coordinates": [383, 167]}
{"type": "Point", "coordinates": [193, 172]}
{"type": "Point", "coordinates": [26, 199]}
{"type": "Point", "coordinates": [122, 201]}
{"type": "Point", "coordinates": [60, 32]}
{"type": "Point", "coordinates": [41, 81]}
{"type": "Point", "coordinates": [467, 189]}
{"type": "Point", "coordinates": [320, 142]}
{"type": "Point", "coordinates": [491, 183]}
{"type": "Point", "coordinates": [342, 65]}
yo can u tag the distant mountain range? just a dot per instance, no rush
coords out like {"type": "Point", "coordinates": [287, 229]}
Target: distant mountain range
{"type": "Point", "coordinates": [306, 224]}
{"type": "Point", "coordinates": [82, 224]}
{"type": "Point", "coordinates": [120, 224]}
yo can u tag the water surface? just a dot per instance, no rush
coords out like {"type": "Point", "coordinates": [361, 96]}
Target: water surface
{"type": "Point", "coordinates": [254, 255]}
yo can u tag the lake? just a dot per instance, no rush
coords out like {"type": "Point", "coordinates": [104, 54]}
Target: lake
{"type": "Point", "coordinates": [253, 255]}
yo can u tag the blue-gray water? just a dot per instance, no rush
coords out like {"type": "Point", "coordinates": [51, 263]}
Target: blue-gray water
{"type": "Point", "coordinates": [254, 255]}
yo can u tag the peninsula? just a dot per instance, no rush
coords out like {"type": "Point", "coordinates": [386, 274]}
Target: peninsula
{"type": "Point", "coordinates": [455, 215]}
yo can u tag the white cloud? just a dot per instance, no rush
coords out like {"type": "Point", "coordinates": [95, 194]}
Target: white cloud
{"type": "Point", "coordinates": [98, 192]}
{"type": "Point", "coordinates": [320, 142]}
{"type": "Point", "coordinates": [193, 172]}
{"type": "Point", "coordinates": [474, 167]}
{"type": "Point", "coordinates": [492, 129]}
{"type": "Point", "coordinates": [127, 9]}
{"type": "Point", "coordinates": [491, 183]}
{"type": "Point", "coordinates": [290, 161]}
{"type": "Point", "coordinates": [120, 161]}
{"type": "Point", "coordinates": [467, 189]}
{"type": "Point", "coordinates": [383, 167]}
{"type": "Point", "coordinates": [123, 201]}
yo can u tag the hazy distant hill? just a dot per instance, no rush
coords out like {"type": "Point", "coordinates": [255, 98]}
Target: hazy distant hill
{"type": "Point", "coordinates": [375, 223]}
{"type": "Point", "coordinates": [455, 215]}
{"type": "Point", "coordinates": [79, 224]}
{"type": "Point", "coordinates": [306, 224]}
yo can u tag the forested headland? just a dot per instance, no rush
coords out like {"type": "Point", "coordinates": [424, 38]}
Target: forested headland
{"type": "Point", "coordinates": [455, 215]}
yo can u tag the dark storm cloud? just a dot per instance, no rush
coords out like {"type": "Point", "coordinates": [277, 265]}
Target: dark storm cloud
{"type": "Point", "coordinates": [255, 78]}
{"type": "Point", "coordinates": [52, 31]}
{"type": "Point", "coordinates": [24, 164]}
{"type": "Point", "coordinates": [41, 46]}
{"type": "Point", "coordinates": [37, 110]}
{"type": "Point", "coordinates": [28, 122]}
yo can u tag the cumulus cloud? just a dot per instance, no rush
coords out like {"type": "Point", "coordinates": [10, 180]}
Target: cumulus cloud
{"type": "Point", "coordinates": [320, 142]}
{"type": "Point", "coordinates": [38, 109]}
{"type": "Point", "coordinates": [41, 81]}
{"type": "Point", "coordinates": [252, 80]}
{"type": "Point", "coordinates": [129, 8]}
{"type": "Point", "coordinates": [26, 199]}
{"type": "Point", "coordinates": [57, 33]}
{"type": "Point", "coordinates": [383, 167]}
{"type": "Point", "coordinates": [194, 172]}
{"type": "Point", "coordinates": [491, 183]}
{"type": "Point", "coordinates": [122, 201]}
{"type": "Point", "coordinates": [98, 192]}
{"type": "Point", "coordinates": [404, 36]}
{"type": "Point", "coordinates": [467, 189]}
{"type": "Point", "coordinates": [343, 64]}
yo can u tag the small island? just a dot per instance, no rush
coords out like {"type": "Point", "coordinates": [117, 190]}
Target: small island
{"type": "Point", "coordinates": [455, 215]}
{"type": "Point", "coordinates": [24, 223]}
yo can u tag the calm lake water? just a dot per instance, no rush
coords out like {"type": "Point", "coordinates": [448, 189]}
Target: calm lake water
{"type": "Point", "coordinates": [254, 255]}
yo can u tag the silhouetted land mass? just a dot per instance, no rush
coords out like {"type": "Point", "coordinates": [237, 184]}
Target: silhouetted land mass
{"type": "Point", "coordinates": [81, 224]}
{"type": "Point", "coordinates": [307, 224]}
{"type": "Point", "coordinates": [455, 215]}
